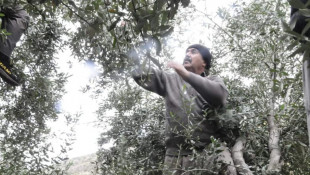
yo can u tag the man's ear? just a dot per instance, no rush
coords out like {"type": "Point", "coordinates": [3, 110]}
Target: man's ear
{"type": "Point", "coordinates": [204, 65]}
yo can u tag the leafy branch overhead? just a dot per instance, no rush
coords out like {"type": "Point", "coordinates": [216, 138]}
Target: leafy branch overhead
{"type": "Point", "coordinates": [106, 30]}
{"type": "Point", "coordinates": [116, 27]}
{"type": "Point", "coordinates": [99, 30]}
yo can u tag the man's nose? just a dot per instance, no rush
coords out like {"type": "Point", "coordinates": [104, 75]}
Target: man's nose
{"type": "Point", "coordinates": [188, 53]}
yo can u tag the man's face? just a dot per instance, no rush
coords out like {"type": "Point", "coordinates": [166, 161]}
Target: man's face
{"type": "Point", "coordinates": [193, 61]}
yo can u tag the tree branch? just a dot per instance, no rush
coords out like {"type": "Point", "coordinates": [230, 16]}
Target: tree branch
{"type": "Point", "coordinates": [274, 132]}
{"type": "Point", "coordinates": [75, 13]}
{"type": "Point", "coordinates": [306, 85]}
{"type": "Point", "coordinates": [237, 155]}
{"type": "Point", "coordinates": [273, 144]}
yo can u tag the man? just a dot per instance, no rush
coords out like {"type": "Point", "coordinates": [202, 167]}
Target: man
{"type": "Point", "coordinates": [15, 21]}
{"type": "Point", "coordinates": [299, 22]}
{"type": "Point", "coordinates": [189, 96]}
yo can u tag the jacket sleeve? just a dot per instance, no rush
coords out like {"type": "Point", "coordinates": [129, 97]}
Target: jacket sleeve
{"type": "Point", "coordinates": [18, 14]}
{"type": "Point", "coordinates": [152, 80]}
{"type": "Point", "coordinates": [212, 89]}
{"type": "Point", "coordinates": [16, 22]}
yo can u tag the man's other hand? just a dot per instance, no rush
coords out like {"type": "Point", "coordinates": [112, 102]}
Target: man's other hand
{"type": "Point", "coordinates": [180, 69]}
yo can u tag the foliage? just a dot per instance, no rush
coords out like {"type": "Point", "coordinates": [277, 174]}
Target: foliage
{"type": "Point", "coordinates": [112, 29]}
{"type": "Point", "coordinates": [256, 50]}
{"type": "Point", "coordinates": [253, 38]}
{"type": "Point", "coordinates": [137, 132]}
{"type": "Point", "coordinates": [106, 31]}
{"type": "Point", "coordinates": [27, 110]}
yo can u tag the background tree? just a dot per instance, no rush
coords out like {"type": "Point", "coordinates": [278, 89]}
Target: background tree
{"type": "Point", "coordinates": [251, 46]}
{"type": "Point", "coordinates": [137, 130]}
{"type": "Point", "coordinates": [252, 39]}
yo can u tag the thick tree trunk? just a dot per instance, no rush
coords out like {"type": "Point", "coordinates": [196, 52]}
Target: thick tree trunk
{"type": "Point", "coordinates": [274, 132]}
{"type": "Point", "coordinates": [273, 144]}
{"type": "Point", "coordinates": [237, 154]}
{"type": "Point", "coordinates": [306, 86]}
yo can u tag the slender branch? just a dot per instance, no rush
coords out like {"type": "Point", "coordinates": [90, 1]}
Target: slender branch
{"type": "Point", "coordinates": [109, 16]}
{"type": "Point", "coordinates": [135, 10]}
{"type": "Point", "coordinates": [75, 13]}
{"type": "Point", "coordinates": [228, 34]}
{"type": "Point", "coordinates": [40, 11]}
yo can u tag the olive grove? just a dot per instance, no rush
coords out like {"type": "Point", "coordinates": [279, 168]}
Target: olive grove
{"type": "Point", "coordinates": [254, 51]}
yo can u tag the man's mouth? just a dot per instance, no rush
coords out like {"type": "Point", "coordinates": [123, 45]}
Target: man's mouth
{"type": "Point", "coordinates": [187, 60]}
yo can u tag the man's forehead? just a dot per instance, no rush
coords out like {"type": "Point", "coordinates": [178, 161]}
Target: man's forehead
{"type": "Point", "coordinates": [191, 49]}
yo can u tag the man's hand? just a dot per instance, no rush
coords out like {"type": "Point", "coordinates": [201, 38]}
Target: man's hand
{"type": "Point", "coordinates": [179, 68]}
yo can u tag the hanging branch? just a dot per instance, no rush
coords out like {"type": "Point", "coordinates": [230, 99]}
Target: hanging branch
{"type": "Point", "coordinates": [112, 23]}
{"type": "Point", "coordinates": [75, 13]}
{"type": "Point", "coordinates": [135, 11]}
{"type": "Point", "coordinates": [148, 54]}
{"type": "Point", "coordinates": [37, 9]}
{"type": "Point", "coordinates": [228, 34]}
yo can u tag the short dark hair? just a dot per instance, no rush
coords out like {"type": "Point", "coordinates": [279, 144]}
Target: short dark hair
{"type": "Point", "coordinates": [205, 53]}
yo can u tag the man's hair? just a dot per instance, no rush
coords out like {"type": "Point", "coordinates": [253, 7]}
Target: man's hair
{"type": "Point", "coordinates": [205, 53]}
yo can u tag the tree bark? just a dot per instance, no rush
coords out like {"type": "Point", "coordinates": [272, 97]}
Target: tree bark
{"type": "Point", "coordinates": [274, 132]}
{"type": "Point", "coordinates": [306, 87]}
{"type": "Point", "coordinates": [237, 155]}
{"type": "Point", "coordinates": [273, 144]}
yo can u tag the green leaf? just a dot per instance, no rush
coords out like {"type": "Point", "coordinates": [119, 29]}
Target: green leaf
{"type": "Point", "coordinates": [140, 25]}
{"type": "Point", "coordinates": [2, 15]}
{"type": "Point", "coordinates": [292, 45]}
{"type": "Point", "coordinates": [114, 42]}
{"type": "Point", "coordinates": [286, 27]}
{"type": "Point", "coordinates": [305, 12]}
{"type": "Point", "coordinates": [113, 25]}
{"type": "Point", "coordinates": [185, 3]}
{"type": "Point", "coordinates": [297, 4]}
{"type": "Point", "coordinates": [297, 51]}
{"type": "Point", "coordinates": [154, 22]}
{"type": "Point", "coordinates": [172, 12]}
{"type": "Point", "coordinates": [158, 45]}
{"type": "Point", "coordinates": [72, 3]}
{"type": "Point", "coordinates": [56, 2]}
{"type": "Point", "coordinates": [163, 28]}
{"type": "Point", "coordinates": [293, 22]}
{"type": "Point", "coordinates": [159, 4]}
{"type": "Point", "coordinates": [164, 17]}
{"type": "Point", "coordinates": [167, 33]}
{"type": "Point", "coordinates": [302, 144]}
{"type": "Point", "coordinates": [306, 28]}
